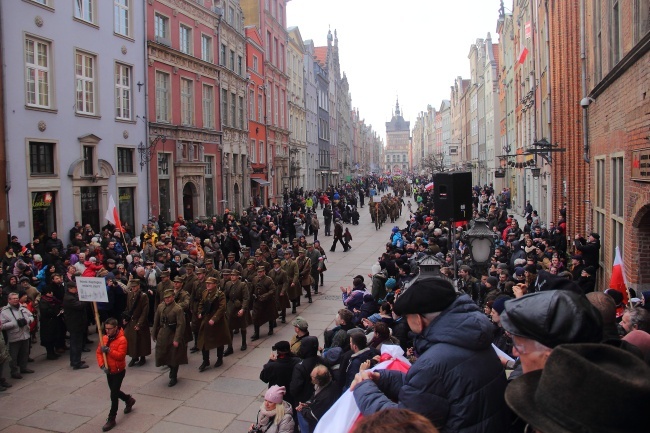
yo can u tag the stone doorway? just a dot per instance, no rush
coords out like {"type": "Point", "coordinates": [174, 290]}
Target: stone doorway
{"type": "Point", "coordinates": [190, 197]}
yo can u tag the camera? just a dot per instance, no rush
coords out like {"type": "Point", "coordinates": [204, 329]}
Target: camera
{"type": "Point", "coordinates": [21, 322]}
{"type": "Point", "coordinates": [256, 429]}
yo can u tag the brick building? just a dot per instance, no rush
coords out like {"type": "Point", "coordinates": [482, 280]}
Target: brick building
{"type": "Point", "coordinates": [617, 142]}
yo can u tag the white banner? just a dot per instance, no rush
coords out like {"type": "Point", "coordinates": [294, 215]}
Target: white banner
{"type": "Point", "coordinates": [92, 289]}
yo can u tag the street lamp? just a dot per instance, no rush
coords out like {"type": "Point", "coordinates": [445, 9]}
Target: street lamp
{"type": "Point", "coordinates": [147, 152]}
{"type": "Point", "coordinates": [481, 241]}
{"type": "Point", "coordinates": [429, 266]}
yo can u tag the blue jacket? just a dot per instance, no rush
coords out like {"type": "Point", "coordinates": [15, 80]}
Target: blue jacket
{"type": "Point", "coordinates": [457, 382]}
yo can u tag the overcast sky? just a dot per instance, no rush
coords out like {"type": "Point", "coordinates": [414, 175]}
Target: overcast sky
{"type": "Point", "coordinates": [408, 48]}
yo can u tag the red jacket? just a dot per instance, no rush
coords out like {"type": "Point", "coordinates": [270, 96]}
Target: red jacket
{"type": "Point", "coordinates": [116, 356]}
{"type": "Point", "coordinates": [91, 269]}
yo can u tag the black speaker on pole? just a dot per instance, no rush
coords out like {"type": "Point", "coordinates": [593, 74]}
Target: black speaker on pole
{"type": "Point", "coordinates": [452, 196]}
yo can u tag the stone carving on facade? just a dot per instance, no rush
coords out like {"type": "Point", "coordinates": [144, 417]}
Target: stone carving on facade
{"type": "Point", "coordinates": [179, 151]}
{"type": "Point", "coordinates": [38, 21]}
{"type": "Point", "coordinates": [182, 60]}
{"type": "Point", "coordinates": [124, 50]}
{"type": "Point", "coordinates": [42, 126]}
{"type": "Point", "coordinates": [125, 134]}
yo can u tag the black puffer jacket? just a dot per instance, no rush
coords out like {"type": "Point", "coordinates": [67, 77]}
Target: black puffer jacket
{"type": "Point", "coordinates": [457, 382]}
{"type": "Point", "coordinates": [301, 387]}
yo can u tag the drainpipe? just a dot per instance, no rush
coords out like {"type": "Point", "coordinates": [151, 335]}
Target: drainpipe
{"type": "Point", "coordinates": [146, 117]}
{"type": "Point", "coordinates": [583, 58]}
{"type": "Point", "coordinates": [5, 182]}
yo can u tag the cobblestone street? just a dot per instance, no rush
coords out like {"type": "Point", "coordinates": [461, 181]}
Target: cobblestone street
{"type": "Point", "coordinates": [56, 398]}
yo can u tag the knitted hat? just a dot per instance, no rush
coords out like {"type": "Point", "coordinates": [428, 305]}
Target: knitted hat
{"type": "Point", "coordinates": [275, 394]}
{"type": "Point", "coordinates": [500, 304]}
{"type": "Point", "coordinates": [391, 283]}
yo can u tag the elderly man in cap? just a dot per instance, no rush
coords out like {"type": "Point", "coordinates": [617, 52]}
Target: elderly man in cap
{"type": "Point", "coordinates": [301, 327]}
{"type": "Point", "coordinates": [237, 307]}
{"type": "Point", "coordinates": [214, 332]}
{"type": "Point", "coordinates": [168, 333]}
{"type": "Point", "coordinates": [264, 308]}
{"type": "Point", "coordinates": [457, 381]}
{"type": "Point", "coordinates": [539, 322]}
{"type": "Point", "coordinates": [584, 388]}
{"type": "Point", "coordinates": [136, 324]}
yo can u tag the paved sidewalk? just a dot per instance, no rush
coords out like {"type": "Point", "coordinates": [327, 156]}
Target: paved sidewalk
{"type": "Point", "coordinates": [226, 399]}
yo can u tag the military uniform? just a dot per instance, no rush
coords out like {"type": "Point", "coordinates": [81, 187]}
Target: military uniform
{"type": "Point", "coordinates": [139, 341]}
{"type": "Point", "coordinates": [182, 298]}
{"type": "Point", "coordinates": [195, 300]}
{"type": "Point", "coordinates": [162, 287]}
{"type": "Point", "coordinates": [293, 274]}
{"type": "Point", "coordinates": [217, 334]}
{"type": "Point", "coordinates": [237, 299]}
{"type": "Point", "coordinates": [169, 328]}
{"type": "Point", "coordinates": [304, 268]}
{"type": "Point", "coordinates": [281, 281]}
{"type": "Point", "coordinates": [264, 309]}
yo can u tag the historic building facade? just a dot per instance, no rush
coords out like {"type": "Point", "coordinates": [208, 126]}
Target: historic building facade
{"type": "Point", "coordinates": [74, 114]}
{"type": "Point", "coordinates": [398, 136]}
{"type": "Point", "coordinates": [297, 110]}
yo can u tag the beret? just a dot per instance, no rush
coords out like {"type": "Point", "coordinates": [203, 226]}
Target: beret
{"type": "Point", "coordinates": [426, 295]}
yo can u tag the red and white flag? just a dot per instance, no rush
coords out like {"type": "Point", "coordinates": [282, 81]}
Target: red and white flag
{"type": "Point", "coordinates": [428, 186]}
{"type": "Point", "coordinates": [617, 282]}
{"type": "Point", "coordinates": [522, 55]}
{"type": "Point", "coordinates": [112, 214]}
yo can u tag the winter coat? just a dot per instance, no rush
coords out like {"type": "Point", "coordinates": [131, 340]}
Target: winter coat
{"type": "Point", "coordinates": [169, 327]}
{"type": "Point", "coordinates": [51, 329]}
{"type": "Point", "coordinates": [237, 298]}
{"type": "Point", "coordinates": [293, 274]}
{"type": "Point", "coordinates": [279, 372]}
{"type": "Point", "coordinates": [182, 298]}
{"type": "Point", "coordinates": [281, 288]}
{"type": "Point", "coordinates": [76, 317]}
{"type": "Point", "coordinates": [116, 356]}
{"type": "Point", "coordinates": [457, 382]}
{"type": "Point", "coordinates": [355, 299]}
{"type": "Point", "coordinates": [264, 309]}
{"type": "Point", "coordinates": [8, 320]}
{"type": "Point", "coordinates": [319, 403]}
{"type": "Point", "coordinates": [286, 425]}
{"type": "Point", "coordinates": [213, 307]}
{"type": "Point", "coordinates": [353, 365]}
{"type": "Point", "coordinates": [301, 387]}
{"type": "Point", "coordinates": [140, 340]}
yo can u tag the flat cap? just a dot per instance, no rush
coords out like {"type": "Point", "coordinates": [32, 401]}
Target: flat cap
{"type": "Point", "coordinates": [300, 323]}
{"type": "Point", "coordinates": [553, 317]}
{"type": "Point", "coordinates": [426, 295]}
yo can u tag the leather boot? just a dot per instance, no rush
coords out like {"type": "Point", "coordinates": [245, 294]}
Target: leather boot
{"type": "Point", "coordinates": [110, 423]}
{"type": "Point", "coordinates": [219, 362]}
{"type": "Point", "coordinates": [229, 351]}
{"type": "Point", "coordinates": [256, 334]}
{"type": "Point", "coordinates": [129, 405]}
{"type": "Point", "coordinates": [243, 340]}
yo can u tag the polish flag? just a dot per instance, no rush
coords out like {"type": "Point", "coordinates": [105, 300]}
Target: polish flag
{"type": "Point", "coordinates": [522, 55]}
{"type": "Point", "coordinates": [112, 214]}
{"type": "Point", "coordinates": [428, 186]}
{"type": "Point", "coordinates": [617, 282]}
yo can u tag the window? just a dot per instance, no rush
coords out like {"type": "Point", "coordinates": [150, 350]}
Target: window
{"type": "Point", "coordinates": [161, 27]}
{"type": "Point", "coordinates": [124, 160]}
{"type": "Point", "coordinates": [224, 107]}
{"type": "Point", "coordinates": [206, 48]}
{"type": "Point", "coordinates": [222, 55]}
{"type": "Point", "coordinates": [239, 65]}
{"type": "Point", "coordinates": [253, 152]}
{"type": "Point", "coordinates": [209, 185]}
{"type": "Point", "coordinates": [241, 112]}
{"type": "Point", "coordinates": [122, 17]}
{"type": "Point", "coordinates": [41, 158]}
{"type": "Point", "coordinates": [187, 102]}
{"type": "Point", "coordinates": [42, 2]}
{"type": "Point", "coordinates": [276, 105]}
{"type": "Point", "coordinates": [615, 34]}
{"type": "Point", "coordinates": [164, 196]}
{"type": "Point", "coordinates": [122, 91]}
{"type": "Point", "coordinates": [231, 15]}
{"type": "Point", "coordinates": [232, 60]}
{"type": "Point", "coordinates": [185, 39]}
{"type": "Point", "coordinates": [260, 108]}
{"type": "Point", "coordinates": [641, 19]}
{"type": "Point", "coordinates": [267, 53]}
{"type": "Point", "coordinates": [281, 57]}
{"type": "Point", "coordinates": [85, 78]}
{"type": "Point", "coordinates": [251, 104]}
{"type": "Point", "coordinates": [281, 15]}
{"type": "Point", "coordinates": [208, 107]}
{"type": "Point", "coordinates": [37, 73]}
{"type": "Point", "coordinates": [262, 153]}
{"type": "Point", "coordinates": [255, 65]}
{"type": "Point", "coordinates": [85, 10]}
{"type": "Point", "coordinates": [275, 51]}
{"type": "Point", "coordinates": [599, 208]}
{"type": "Point", "coordinates": [89, 160]}
{"type": "Point", "coordinates": [233, 109]}
{"type": "Point", "coordinates": [162, 96]}
{"type": "Point", "coordinates": [617, 200]}
{"type": "Point", "coordinates": [282, 99]}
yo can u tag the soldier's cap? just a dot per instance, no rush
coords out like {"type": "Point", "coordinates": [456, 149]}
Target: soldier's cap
{"type": "Point", "coordinates": [258, 253]}
{"type": "Point", "coordinates": [226, 272]}
{"type": "Point", "coordinates": [234, 272]}
{"type": "Point", "coordinates": [231, 254]}
{"type": "Point", "coordinates": [262, 243]}
{"type": "Point", "coordinates": [250, 262]}
{"type": "Point", "coordinates": [294, 241]}
{"type": "Point", "coordinates": [284, 241]}
{"type": "Point", "coordinates": [261, 269]}
{"type": "Point", "coordinates": [178, 280]}
{"type": "Point", "coordinates": [134, 282]}
{"type": "Point", "coordinates": [287, 252]}
{"type": "Point", "coordinates": [168, 292]}
{"type": "Point", "coordinates": [310, 245]}
{"type": "Point", "coordinates": [189, 266]}
{"type": "Point", "coordinates": [277, 261]}
{"type": "Point", "coordinates": [208, 262]}
{"type": "Point", "coordinates": [302, 251]}
{"type": "Point", "coordinates": [244, 249]}
{"type": "Point", "coordinates": [164, 273]}
{"type": "Point", "coordinates": [211, 280]}
{"type": "Point", "coordinates": [200, 271]}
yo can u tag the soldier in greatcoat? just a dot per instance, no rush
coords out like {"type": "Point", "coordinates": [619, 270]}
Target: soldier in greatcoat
{"type": "Point", "coordinates": [164, 285]}
{"type": "Point", "coordinates": [264, 309]}
{"type": "Point", "coordinates": [214, 332]}
{"type": "Point", "coordinates": [136, 324]}
{"type": "Point", "coordinates": [182, 298]}
{"type": "Point", "coordinates": [304, 267]}
{"type": "Point", "coordinates": [293, 274]}
{"type": "Point", "coordinates": [281, 280]}
{"type": "Point", "coordinates": [238, 308]}
{"type": "Point", "coordinates": [195, 299]}
{"type": "Point", "coordinates": [169, 335]}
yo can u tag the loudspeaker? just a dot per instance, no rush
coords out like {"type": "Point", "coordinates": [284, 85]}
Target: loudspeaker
{"type": "Point", "coordinates": [452, 196]}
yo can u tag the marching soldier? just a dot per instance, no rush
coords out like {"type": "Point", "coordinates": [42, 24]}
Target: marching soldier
{"type": "Point", "coordinates": [245, 256]}
{"type": "Point", "coordinates": [281, 281]}
{"type": "Point", "coordinates": [214, 330]}
{"type": "Point", "coordinates": [182, 298]}
{"type": "Point", "coordinates": [259, 261]}
{"type": "Point", "coordinates": [136, 324]}
{"type": "Point", "coordinates": [168, 333]}
{"type": "Point", "coordinates": [304, 268]}
{"type": "Point", "coordinates": [164, 285]}
{"type": "Point", "coordinates": [190, 278]}
{"type": "Point", "coordinates": [290, 266]}
{"type": "Point", "coordinates": [210, 270]}
{"type": "Point", "coordinates": [238, 304]}
{"type": "Point", "coordinates": [248, 274]}
{"type": "Point", "coordinates": [231, 263]}
{"type": "Point", "coordinates": [195, 300]}
{"type": "Point", "coordinates": [264, 309]}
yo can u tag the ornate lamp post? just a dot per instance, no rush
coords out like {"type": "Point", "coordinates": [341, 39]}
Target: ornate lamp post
{"type": "Point", "coordinates": [480, 240]}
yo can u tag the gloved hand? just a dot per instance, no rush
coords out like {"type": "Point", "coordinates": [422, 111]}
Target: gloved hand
{"type": "Point", "coordinates": [106, 370]}
{"type": "Point", "coordinates": [106, 349]}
